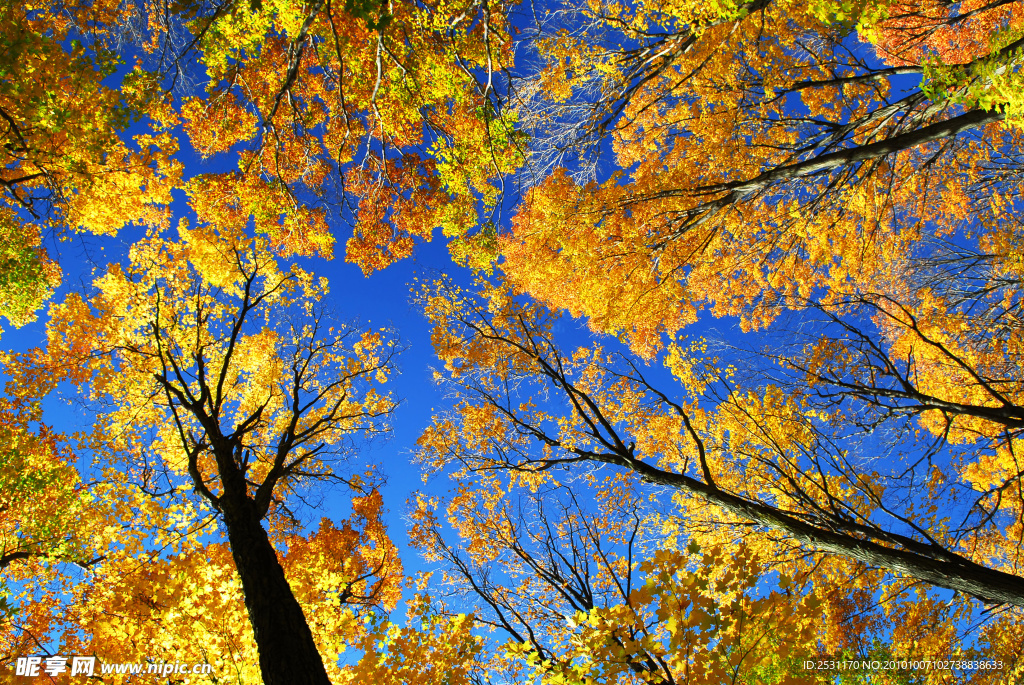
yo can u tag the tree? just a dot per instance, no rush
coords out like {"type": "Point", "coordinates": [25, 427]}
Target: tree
{"type": "Point", "coordinates": [222, 373]}
{"type": "Point", "coordinates": [762, 463]}
{"type": "Point", "coordinates": [763, 154]}
{"type": "Point", "coordinates": [841, 179]}
{"type": "Point", "coordinates": [386, 115]}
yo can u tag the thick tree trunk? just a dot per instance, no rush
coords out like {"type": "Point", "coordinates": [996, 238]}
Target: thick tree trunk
{"type": "Point", "coordinates": [288, 654]}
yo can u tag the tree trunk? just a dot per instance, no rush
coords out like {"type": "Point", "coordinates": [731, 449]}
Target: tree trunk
{"type": "Point", "coordinates": [940, 567]}
{"type": "Point", "coordinates": [288, 654]}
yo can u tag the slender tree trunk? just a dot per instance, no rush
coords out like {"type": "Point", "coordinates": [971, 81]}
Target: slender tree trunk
{"type": "Point", "coordinates": [904, 141]}
{"type": "Point", "coordinates": [938, 566]}
{"type": "Point", "coordinates": [288, 654]}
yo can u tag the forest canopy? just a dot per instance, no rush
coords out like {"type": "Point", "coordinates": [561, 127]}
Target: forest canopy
{"type": "Point", "coordinates": [715, 378]}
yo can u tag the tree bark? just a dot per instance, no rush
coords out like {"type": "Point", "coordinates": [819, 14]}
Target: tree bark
{"type": "Point", "coordinates": [288, 654]}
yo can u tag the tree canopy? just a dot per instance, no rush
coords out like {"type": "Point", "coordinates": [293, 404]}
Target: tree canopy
{"type": "Point", "coordinates": [727, 334]}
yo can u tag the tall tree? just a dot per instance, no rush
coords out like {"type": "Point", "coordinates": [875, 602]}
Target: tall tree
{"type": "Point", "coordinates": [844, 178]}
{"type": "Point", "coordinates": [220, 367]}
{"type": "Point", "coordinates": [213, 365]}
{"type": "Point", "coordinates": [764, 458]}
